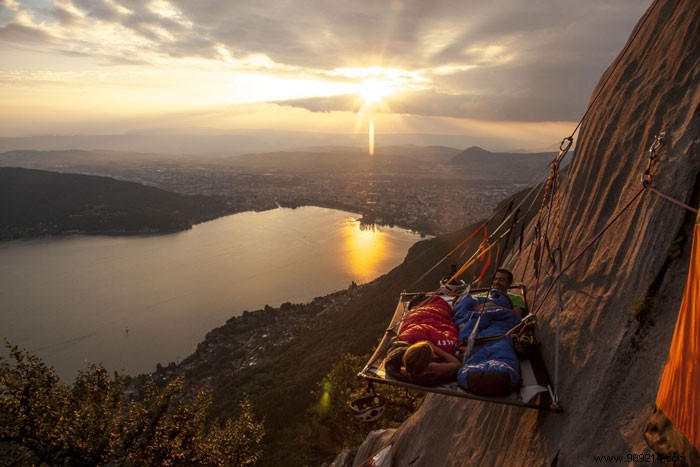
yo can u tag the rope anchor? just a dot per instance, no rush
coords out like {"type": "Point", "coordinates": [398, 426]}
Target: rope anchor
{"type": "Point", "coordinates": [659, 140]}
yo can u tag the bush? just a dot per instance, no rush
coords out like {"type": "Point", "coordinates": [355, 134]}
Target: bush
{"type": "Point", "coordinates": [95, 422]}
{"type": "Point", "coordinates": [331, 426]}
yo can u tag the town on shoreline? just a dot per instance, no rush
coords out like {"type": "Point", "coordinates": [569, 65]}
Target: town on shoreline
{"type": "Point", "coordinates": [428, 196]}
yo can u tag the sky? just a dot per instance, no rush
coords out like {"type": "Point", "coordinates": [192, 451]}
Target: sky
{"type": "Point", "coordinates": [518, 72]}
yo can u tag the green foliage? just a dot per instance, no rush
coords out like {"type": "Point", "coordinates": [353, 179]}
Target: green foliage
{"type": "Point", "coordinates": [94, 422]}
{"type": "Point", "coordinates": [330, 426]}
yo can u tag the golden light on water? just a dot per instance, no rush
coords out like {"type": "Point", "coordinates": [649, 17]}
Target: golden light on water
{"type": "Point", "coordinates": [364, 249]}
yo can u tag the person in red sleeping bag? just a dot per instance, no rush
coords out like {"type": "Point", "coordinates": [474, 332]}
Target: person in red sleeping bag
{"type": "Point", "coordinates": [427, 341]}
{"type": "Point", "coordinates": [431, 320]}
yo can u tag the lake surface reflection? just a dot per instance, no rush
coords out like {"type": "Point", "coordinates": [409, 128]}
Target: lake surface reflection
{"type": "Point", "coordinates": [131, 302]}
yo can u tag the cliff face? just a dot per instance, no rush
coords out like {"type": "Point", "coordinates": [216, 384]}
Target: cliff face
{"type": "Point", "coordinates": [622, 297]}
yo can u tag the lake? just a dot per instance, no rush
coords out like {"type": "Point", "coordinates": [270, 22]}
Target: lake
{"type": "Point", "coordinates": [132, 302]}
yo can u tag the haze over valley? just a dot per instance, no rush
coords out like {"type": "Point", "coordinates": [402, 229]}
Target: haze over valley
{"type": "Point", "coordinates": [427, 189]}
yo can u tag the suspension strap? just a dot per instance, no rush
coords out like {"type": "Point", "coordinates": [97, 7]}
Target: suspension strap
{"type": "Point", "coordinates": [472, 339]}
{"type": "Point", "coordinates": [532, 252]}
{"type": "Point", "coordinates": [520, 237]}
{"type": "Point", "coordinates": [670, 198]}
{"type": "Point", "coordinates": [557, 336]}
{"type": "Point", "coordinates": [370, 388]}
{"type": "Point", "coordinates": [483, 227]}
{"type": "Point", "coordinates": [507, 235]}
{"type": "Point", "coordinates": [487, 263]}
{"type": "Point", "coordinates": [529, 320]}
{"type": "Point", "coordinates": [549, 201]}
{"type": "Point", "coordinates": [479, 254]}
{"type": "Point", "coordinates": [462, 243]}
{"type": "Point", "coordinates": [588, 246]}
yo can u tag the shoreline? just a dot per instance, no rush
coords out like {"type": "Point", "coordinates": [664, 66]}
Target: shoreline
{"type": "Point", "coordinates": [108, 273]}
{"type": "Point", "coordinates": [365, 219]}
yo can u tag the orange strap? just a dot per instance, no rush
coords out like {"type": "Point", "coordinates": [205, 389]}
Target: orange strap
{"type": "Point", "coordinates": [477, 255]}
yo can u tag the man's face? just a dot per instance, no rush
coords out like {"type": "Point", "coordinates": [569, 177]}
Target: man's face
{"type": "Point", "coordinates": [501, 282]}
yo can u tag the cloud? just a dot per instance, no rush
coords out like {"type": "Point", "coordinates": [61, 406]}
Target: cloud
{"type": "Point", "coordinates": [117, 60]}
{"type": "Point", "coordinates": [342, 103]}
{"type": "Point", "coordinates": [101, 10]}
{"type": "Point", "coordinates": [530, 60]}
{"type": "Point", "coordinates": [191, 46]}
{"type": "Point", "coordinates": [485, 107]}
{"type": "Point", "coordinates": [65, 17]}
{"type": "Point", "coordinates": [433, 104]}
{"type": "Point", "coordinates": [502, 59]}
{"type": "Point", "coordinates": [21, 34]}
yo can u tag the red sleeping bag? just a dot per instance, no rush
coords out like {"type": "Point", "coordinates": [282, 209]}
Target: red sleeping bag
{"type": "Point", "coordinates": [431, 321]}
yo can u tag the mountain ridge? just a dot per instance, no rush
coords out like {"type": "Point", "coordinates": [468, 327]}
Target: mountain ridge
{"type": "Point", "coordinates": [39, 203]}
{"type": "Point", "coordinates": [217, 142]}
{"type": "Point", "coordinates": [509, 165]}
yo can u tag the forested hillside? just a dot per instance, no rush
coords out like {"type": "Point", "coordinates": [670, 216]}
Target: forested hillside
{"type": "Point", "coordinates": [37, 203]}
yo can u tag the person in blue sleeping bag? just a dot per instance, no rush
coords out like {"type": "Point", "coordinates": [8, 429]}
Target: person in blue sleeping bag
{"type": "Point", "coordinates": [493, 368]}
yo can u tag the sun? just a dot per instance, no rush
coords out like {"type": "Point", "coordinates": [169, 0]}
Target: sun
{"type": "Point", "coordinates": [373, 91]}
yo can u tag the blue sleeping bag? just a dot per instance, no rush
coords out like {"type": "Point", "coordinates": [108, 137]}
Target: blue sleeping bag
{"type": "Point", "coordinates": [493, 368]}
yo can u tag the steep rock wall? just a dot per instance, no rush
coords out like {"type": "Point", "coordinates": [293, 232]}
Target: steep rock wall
{"type": "Point", "coordinates": [621, 298]}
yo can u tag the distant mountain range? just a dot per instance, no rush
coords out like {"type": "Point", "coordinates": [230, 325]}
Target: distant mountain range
{"type": "Point", "coordinates": [206, 142]}
{"type": "Point", "coordinates": [37, 203]}
{"type": "Point", "coordinates": [523, 166]}
{"type": "Point", "coordinates": [472, 163]}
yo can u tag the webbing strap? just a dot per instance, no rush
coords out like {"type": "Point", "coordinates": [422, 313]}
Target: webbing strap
{"type": "Point", "coordinates": [675, 201]}
{"type": "Point", "coordinates": [512, 330]}
{"type": "Point", "coordinates": [462, 243]}
{"type": "Point", "coordinates": [557, 335]}
{"type": "Point", "coordinates": [551, 189]}
{"type": "Point", "coordinates": [477, 255]}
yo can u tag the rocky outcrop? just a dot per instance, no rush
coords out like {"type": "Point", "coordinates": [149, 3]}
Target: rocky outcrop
{"type": "Point", "coordinates": [666, 441]}
{"type": "Point", "coordinates": [374, 442]}
{"type": "Point", "coordinates": [622, 296]}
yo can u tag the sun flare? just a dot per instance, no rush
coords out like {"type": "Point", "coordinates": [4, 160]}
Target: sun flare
{"type": "Point", "coordinates": [372, 86]}
{"type": "Point", "coordinates": [373, 90]}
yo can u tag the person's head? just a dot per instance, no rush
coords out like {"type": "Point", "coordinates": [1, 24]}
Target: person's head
{"type": "Point", "coordinates": [417, 358]}
{"type": "Point", "coordinates": [502, 279]}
